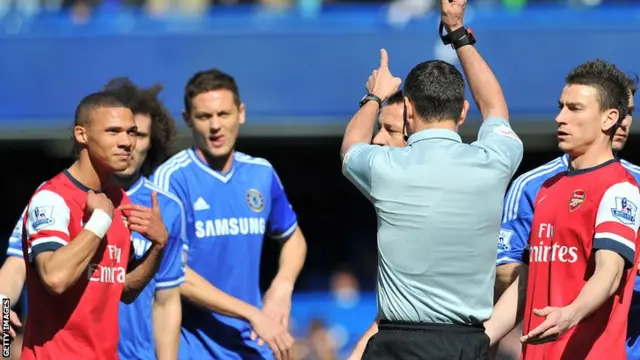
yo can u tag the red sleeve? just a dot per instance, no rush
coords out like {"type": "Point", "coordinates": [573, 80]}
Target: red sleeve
{"type": "Point", "coordinates": [46, 223]}
{"type": "Point", "coordinates": [617, 221]}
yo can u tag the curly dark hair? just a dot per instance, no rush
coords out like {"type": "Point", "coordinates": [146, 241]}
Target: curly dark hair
{"type": "Point", "coordinates": [163, 128]}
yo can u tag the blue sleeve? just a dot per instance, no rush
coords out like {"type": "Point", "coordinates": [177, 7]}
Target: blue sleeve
{"type": "Point", "coordinates": [517, 215]}
{"type": "Point", "coordinates": [283, 220]}
{"type": "Point", "coordinates": [15, 241]}
{"type": "Point", "coordinates": [171, 271]}
{"type": "Point", "coordinates": [357, 165]}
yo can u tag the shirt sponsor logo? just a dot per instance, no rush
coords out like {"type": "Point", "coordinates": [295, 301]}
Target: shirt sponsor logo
{"type": "Point", "coordinates": [548, 251]}
{"type": "Point", "coordinates": [625, 211]}
{"type": "Point", "coordinates": [230, 226]}
{"type": "Point", "coordinates": [109, 274]}
{"type": "Point", "coordinates": [41, 217]}
{"type": "Point", "coordinates": [576, 200]}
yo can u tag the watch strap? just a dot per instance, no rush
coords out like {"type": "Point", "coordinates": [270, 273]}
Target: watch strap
{"type": "Point", "coordinates": [371, 97]}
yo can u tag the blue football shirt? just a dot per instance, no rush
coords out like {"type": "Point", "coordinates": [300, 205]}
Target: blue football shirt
{"type": "Point", "coordinates": [136, 319]}
{"type": "Point", "coordinates": [228, 216]}
{"type": "Point", "coordinates": [517, 216]}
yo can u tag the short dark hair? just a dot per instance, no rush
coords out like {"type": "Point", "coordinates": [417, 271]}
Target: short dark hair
{"type": "Point", "coordinates": [436, 90]}
{"type": "Point", "coordinates": [612, 85]}
{"type": "Point", "coordinates": [97, 100]}
{"type": "Point", "coordinates": [632, 83]}
{"type": "Point", "coordinates": [209, 80]}
{"type": "Point", "coordinates": [397, 98]}
{"type": "Point", "coordinates": [146, 101]}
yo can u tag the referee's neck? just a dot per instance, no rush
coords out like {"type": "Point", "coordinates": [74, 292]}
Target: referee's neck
{"type": "Point", "coordinates": [420, 125]}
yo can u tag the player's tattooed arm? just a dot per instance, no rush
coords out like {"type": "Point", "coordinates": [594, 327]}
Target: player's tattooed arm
{"type": "Point", "coordinates": [148, 222]}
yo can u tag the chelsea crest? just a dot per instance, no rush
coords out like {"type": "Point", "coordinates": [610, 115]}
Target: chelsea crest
{"type": "Point", "coordinates": [255, 200]}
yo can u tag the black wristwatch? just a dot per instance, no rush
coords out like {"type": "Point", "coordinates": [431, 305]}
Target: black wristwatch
{"type": "Point", "coordinates": [371, 97]}
{"type": "Point", "coordinates": [457, 38]}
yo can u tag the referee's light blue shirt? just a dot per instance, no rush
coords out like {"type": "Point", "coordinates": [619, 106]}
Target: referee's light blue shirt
{"type": "Point", "coordinates": [439, 203]}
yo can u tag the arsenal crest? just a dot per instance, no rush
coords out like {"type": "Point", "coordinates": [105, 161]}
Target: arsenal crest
{"type": "Point", "coordinates": [576, 200]}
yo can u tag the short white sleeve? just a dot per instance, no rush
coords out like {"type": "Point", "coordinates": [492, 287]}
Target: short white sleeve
{"type": "Point", "coordinates": [47, 226]}
{"type": "Point", "coordinates": [617, 220]}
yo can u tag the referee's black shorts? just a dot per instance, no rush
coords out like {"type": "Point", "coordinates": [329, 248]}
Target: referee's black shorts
{"type": "Point", "coordinates": [423, 341]}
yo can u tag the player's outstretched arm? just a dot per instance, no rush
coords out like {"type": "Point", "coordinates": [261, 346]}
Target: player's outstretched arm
{"type": "Point", "coordinates": [358, 351]}
{"type": "Point", "coordinates": [149, 223]}
{"type": "Point", "coordinates": [167, 316]}
{"type": "Point", "coordinates": [484, 85]}
{"type": "Point", "coordinates": [59, 261]}
{"type": "Point", "coordinates": [200, 292]}
{"type": "Point", "coordinates": [509, 310]}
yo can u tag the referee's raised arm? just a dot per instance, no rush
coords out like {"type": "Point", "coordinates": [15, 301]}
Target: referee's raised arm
{"type": "Point", "coordinates": [484, 85]}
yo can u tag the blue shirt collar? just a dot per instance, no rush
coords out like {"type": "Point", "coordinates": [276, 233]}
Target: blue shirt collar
{"type": "Point", "coordinates": [136, 186]}
{"type": "Point", "coordinates": [434, 134]}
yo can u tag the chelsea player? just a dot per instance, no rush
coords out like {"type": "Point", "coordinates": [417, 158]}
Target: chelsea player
{"type": "Point", "coordinates": [232, 200]}
{"type": "Point", "coordinates": [518, 214]}
{"type": "Point", "coordinates": [150, 326]}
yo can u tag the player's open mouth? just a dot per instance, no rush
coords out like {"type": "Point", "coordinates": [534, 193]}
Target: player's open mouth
{"type": "Point", "coordinates": [562, 134]}
{"type": "Point", "coordinates": [217, 140]}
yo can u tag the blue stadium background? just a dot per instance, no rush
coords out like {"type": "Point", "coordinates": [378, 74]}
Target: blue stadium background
{"type": "Point", "coordinates": [301, 67]}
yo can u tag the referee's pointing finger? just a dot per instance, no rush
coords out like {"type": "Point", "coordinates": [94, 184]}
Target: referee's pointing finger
{"type": "Point", "coordinates": [384, 59]}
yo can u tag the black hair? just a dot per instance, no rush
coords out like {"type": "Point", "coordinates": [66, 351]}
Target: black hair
{"type": "Point", "coordinates": [146, 102]}
{"type": "Point", "coordinates": [209, 80]}
{"type": "Point", "coordinates": [612, 85]}
{"type": "Point", "coordinates": [436, 90]}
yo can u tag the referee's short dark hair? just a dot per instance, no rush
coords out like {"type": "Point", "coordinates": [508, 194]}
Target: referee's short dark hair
{"type": "Point", "coordinates": [436, 91]}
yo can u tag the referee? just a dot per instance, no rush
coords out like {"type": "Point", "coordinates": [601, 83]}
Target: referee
{"type": "Point", "coordinates": [438, 202]}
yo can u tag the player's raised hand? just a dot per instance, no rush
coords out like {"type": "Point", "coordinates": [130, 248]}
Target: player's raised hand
{"type": "Point", "coordinates": [452, 13]}
{"type": "Point", "coordinates": [381, 82]}
{"type": "Point", "coordinates": [556, 322]}
{"type": "Point", "coordinates": [147, 221]}
{"type": "Point", "coordinates": [99, 201]}
{"type": "Point", "coordinates": [269, 331]}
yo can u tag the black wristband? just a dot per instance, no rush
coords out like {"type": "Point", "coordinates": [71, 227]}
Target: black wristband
{"type": "Point", "coordinates": [457, 38]}
{"type": "Point", "coordinates": [371, 97]}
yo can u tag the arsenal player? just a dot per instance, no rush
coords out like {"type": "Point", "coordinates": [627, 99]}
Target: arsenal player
{"type": "Point", "coordinates": [583, 241]}
{"type": "Point", "coordinates": [77, 241]}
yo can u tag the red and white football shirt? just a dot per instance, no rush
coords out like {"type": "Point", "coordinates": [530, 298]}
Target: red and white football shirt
{"type": "Point", "coordinates": [577, 213]}
{"type": "Point", "coordinates": [81, 323]}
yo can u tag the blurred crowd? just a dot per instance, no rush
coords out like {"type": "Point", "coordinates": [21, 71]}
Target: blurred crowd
{"type": "Point", "coordinates": [80, 9]}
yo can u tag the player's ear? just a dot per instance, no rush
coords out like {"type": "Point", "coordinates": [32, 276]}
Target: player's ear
{"type": "Point", "coordinates": [610, 118]}
{"type": "Point", "coordinates": [463, 113]}
{"type": "Point", "coordinates": [80, 134]}
{"type": "Point", "coordinates": [186, 118]}
{"type": "Point", "coordinates": [241, 113]}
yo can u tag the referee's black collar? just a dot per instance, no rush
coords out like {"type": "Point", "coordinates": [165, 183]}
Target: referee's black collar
{"type": "Point", "coordinates": [428, 134]}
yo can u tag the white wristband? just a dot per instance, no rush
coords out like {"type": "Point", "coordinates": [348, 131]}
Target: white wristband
{"type": "Point", "coordinates": [98, 223]}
